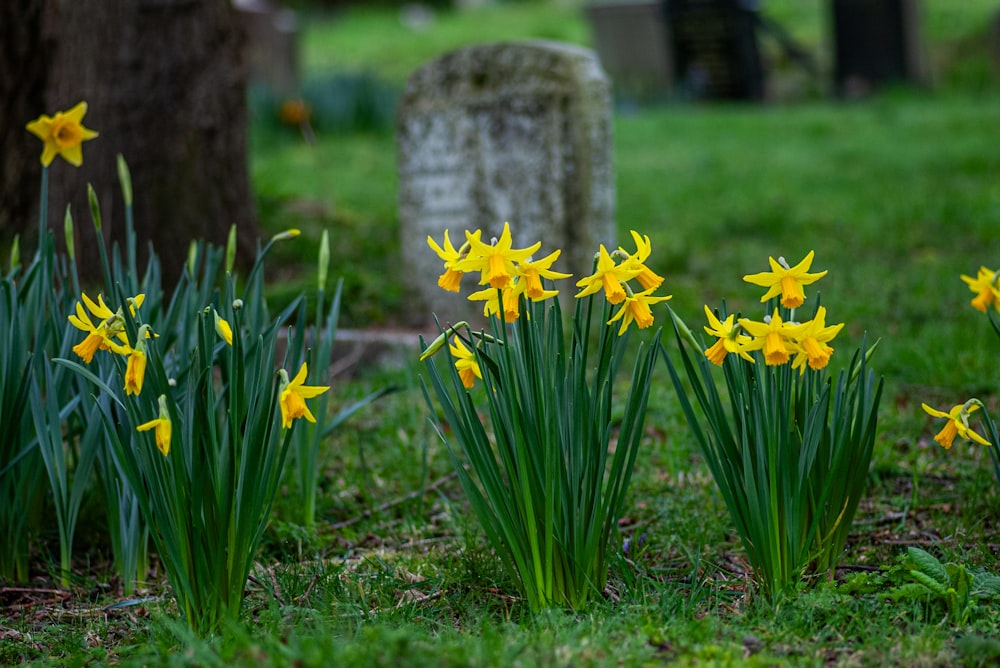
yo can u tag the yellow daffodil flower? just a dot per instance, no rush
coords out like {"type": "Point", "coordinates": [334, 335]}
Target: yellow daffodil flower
{"type": "Point", "coordinates": [511, 305]}
{"type": "Point", "coordinates": [135, 371]}
{"type": "Point", "coordinates": [163, 427]}
{"type": "Point", "coordinates": [102, 336]}
{"type": "Point", "coordinates": [451, 279]}
{"type": "Point", "coordinates": [533, 271]}
{"type": "Point", "coordinates": [494, 262]}
{"type": "Point", "coordinates": [609, 276]}
{"type": "Point", "coordinates": [647, 278]}
{"type": "Point", "coordinates": [223, 328]}
{"type": "Point", "coordinates": [62, 134]}
{"type": "Point", "coordinates": [786, 281]}
{"type": "Point", "coordinates": [771, 336]}
{"type": "Point", "coordinates": [731, 338]}
{"type": "Point", "coordinates": [465, 363]}
{"type": "Point", "coordinates": [98, 337]}
{"type": "Point", "coordinates": [293, 395]}
{"type": "Point", "coordinates": [811, 340]}
{"type": "Point", "coordinates": [985, 287]}
{"type": "Point", "coordinates": [957, 424]}
{"type": "Point", "coordinates": [101, 311]}
{"type": "Point", "coordinates": [636, 307]}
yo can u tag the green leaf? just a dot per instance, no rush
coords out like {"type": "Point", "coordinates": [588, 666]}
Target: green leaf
{"type": "Point", "coordinates": [986, 585]}
{"type": "Point", "coordinates": [930, 583]}
{"type": "Point", "coordinates": [928, 565]}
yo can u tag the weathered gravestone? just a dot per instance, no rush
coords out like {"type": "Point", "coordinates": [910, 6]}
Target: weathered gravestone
{"type": "Point", "coordinates": [633, 45]}
{"type": "Point", "coordinates": [517, 132]}
{"type": "Point", "coordinates": [876, 42]}
{"type": "Point", "coordinates": [715, 50]}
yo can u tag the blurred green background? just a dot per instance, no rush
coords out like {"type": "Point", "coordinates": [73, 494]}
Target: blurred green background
{"type": "Point", "coordinates": [898, 193]}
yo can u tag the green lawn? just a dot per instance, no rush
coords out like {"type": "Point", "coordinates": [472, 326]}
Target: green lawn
{"type": "Point", "coordinates": [898, 195]}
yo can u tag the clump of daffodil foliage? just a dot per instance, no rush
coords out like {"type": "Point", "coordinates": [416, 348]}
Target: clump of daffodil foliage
{"type": "Point", "coordinates": [38, 444]}
{"type": "Point", "coordinates": [211, 425]}
{"type": "Point", "coordinates": [532, 412]}
{"type": "Point", "coordinates": [195, 408]}
{"type": "Point", "coordinates": [986, 287]}
{"type": "Point", "coordinates": [788, 445]}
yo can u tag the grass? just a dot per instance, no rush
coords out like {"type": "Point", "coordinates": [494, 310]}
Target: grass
{"type": "Point", "coordinates": [898, 195]}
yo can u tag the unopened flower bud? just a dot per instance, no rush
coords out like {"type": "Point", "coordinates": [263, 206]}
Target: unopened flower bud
{"type": "Point", "coordinates": [231, 250]}
{"type": "Point", "coordinates": [290, 233]}
{"type": "Point", "coordinates": [95, 208]}
{"type": "Point", "coordinates": [192, 258]}
{"type": "Point", "coordinates": [68, 231]}
{"type": "Point", "coordinates": [125, 179]}
{"type": "Point", "coordinates": [324, 259]}
{"type": "Point", "coordinates": [438, 343]}
{"type": "Point", "coordinates": [15, 252]}
{"type": "Point", "coordinates": [222, 328]}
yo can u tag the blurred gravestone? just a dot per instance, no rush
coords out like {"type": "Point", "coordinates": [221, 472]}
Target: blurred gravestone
{"type": "Point", "coordinates": [517, 132]}
{"type": "Point", "coordinates": [270, 49]}
{"type": "Point", "coordinates": [633, 45]}
{"type": "Point", "coordinates": [995, 40]}
{"type": "Point", "coordinates": [715, 51]}
{"type": "Point", "coordinates": [876, 42]}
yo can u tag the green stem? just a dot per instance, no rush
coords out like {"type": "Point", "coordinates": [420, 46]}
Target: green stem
{"type": "Point", "coordinates": [43, 208]}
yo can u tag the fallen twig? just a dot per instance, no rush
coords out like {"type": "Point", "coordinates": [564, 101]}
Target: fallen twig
{"type": "Point", "coordinates": [305, 594]}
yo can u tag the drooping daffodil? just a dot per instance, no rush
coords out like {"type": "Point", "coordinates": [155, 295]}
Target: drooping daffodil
{"type": "Point", "coordinates": [135, 370]}
{"type": "Point", "coordinates": [465, 363]}
{"type": "Point", "coordinates": [957, 424]}
{"type": "Point", "coordinates": [162, 425]}
{"type": "Point", "coordinates": [223, 328]}
{"type": "Point", "coordinates": [608, 275]}
{"type": "Point", "coordinates": [731, 338]}
{"type": "Point", "coordinates": [636, 307]}
{"type": "Point", "coordinates": [985, 287]}
{"type": "Point", "coordinates": [451, 279]}
{"type": "Point", "coordinates": [108, 334]}
{"type": "Point", "coordinates": [293, 395]}
{"type": "Point", "coordinates": [503, 301]}
{"type": "Point", "coordinates": [647, 278]}
{"type": "Point", "coordinates": [533, 271]}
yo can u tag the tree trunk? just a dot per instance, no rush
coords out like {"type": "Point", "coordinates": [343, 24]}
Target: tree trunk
{"type": "Point", "coordinates": [165, 86]}
{"type": "Point", "coordinates": [23, 68]}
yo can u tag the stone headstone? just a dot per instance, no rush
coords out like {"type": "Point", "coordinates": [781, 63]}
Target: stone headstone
{"type": "Point", "coordinates": [633, 45]}
{"type": "Point", "coordinates": [715, 51]}
{"type": "Point", "coordinates": [876, 42]}
{"type": "Point", "coordinates": [517, 132]}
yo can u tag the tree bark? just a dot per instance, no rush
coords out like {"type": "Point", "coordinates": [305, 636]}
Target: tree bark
{"type": "Point", "coordinates": [165, 87]}
{"type": "Point", "coordinates": [23, 68]}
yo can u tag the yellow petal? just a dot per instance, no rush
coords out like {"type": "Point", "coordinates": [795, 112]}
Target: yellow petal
{"type": "Point", "coordinates": [49, 154]}
{"type": "Point", "coordinates": [933, 411]}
